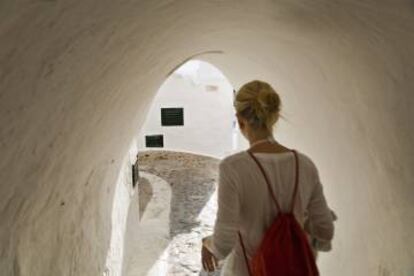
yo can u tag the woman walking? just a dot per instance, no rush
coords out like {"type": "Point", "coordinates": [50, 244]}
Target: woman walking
{"type": "Point", "coordinates": [259, 185]}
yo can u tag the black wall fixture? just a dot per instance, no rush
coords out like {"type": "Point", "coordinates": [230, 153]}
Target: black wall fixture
{"type": "Point", "coordinates": [172, 116]}
{"type": "Point", "coordinates": [135, 174]}
{"type": "Point", "coordinates": [154, 141]}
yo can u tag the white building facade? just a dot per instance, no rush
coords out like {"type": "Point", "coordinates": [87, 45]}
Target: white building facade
{"type": "Point", "coordinates": [209, 122]}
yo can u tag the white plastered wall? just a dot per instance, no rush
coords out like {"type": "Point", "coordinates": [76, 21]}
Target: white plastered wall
{"type": "Point", "coordinates": [77, 78]}
{"type": "Point", "coordinates": [208, 115]}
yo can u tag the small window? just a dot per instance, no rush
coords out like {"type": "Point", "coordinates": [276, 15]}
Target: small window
{"type": "Point", "coordinates": [172, 116]}
{"type": "Point", "coordinates": [154, 141]}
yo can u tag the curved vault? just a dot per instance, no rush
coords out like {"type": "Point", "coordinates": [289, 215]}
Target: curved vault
{"type": "Point", "coordinates": [77, 78]}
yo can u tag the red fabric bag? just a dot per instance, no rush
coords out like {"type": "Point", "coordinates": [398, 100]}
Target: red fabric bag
{"type": "Point", "coordinates": [285, 249]}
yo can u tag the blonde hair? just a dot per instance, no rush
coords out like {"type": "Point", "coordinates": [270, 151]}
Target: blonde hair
{"type": "Point", "coordinates": [259, 104]}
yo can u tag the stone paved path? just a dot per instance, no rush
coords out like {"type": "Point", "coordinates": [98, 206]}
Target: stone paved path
{"type": "Point", "coordinates": [192, 205]}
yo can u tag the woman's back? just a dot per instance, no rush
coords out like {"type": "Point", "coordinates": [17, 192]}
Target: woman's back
{"type": "Point", "coordinates": [256, 209]}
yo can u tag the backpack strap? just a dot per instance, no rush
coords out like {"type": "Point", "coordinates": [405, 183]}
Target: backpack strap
{"type": "Point", "coordinates": [295, 191]}
{"type": "Point", "coordinates": [267, 181]}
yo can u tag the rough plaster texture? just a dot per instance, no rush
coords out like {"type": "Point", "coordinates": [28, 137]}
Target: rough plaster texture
{"type": "Point", "coordinates": [77, 78]}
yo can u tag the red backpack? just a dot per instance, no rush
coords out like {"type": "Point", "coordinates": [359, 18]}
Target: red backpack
{"type": "Point", "coordinates": [285, 249]}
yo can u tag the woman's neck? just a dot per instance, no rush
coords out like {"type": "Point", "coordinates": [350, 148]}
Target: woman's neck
{"type": "Point", "coordinates": [257, 137]}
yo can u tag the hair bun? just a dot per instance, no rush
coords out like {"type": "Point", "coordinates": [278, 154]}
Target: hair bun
{"type": "Point", "coordinates": [268, 100]}
{"type": "Point", "coordinates": [259, 103]}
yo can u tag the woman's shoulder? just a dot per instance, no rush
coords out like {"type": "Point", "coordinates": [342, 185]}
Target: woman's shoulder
{"type": "Point", "coordinates": [305, 159]}
{"type": "Point", "coordinates": [234, 159]}
{"type": "Point", "coordinates": [308, 165]}
{"type": "Point", "coordinates": [240, 158]}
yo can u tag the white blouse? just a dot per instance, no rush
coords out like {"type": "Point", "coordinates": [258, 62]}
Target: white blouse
{"type": "Point", "coordinates": [244, 203]}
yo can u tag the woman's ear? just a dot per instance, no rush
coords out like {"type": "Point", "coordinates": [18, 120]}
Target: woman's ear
{"type": "Point", "coordinates": [242, 125]}
{"type": "Point", "coordinates": [239, 121]}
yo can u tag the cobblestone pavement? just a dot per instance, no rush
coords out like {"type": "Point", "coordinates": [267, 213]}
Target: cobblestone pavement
{"type": "Point", "coordinates": [193, 204]}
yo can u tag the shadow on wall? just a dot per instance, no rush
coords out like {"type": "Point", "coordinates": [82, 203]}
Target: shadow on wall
{"type": "Point", "coordinates": [145, 193]}
{"type": "Point", "coordinates": [147, 236]}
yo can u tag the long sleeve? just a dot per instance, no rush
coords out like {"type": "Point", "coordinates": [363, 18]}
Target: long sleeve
{"type": "Point", "coordinates": [227, 221]}
{"type": "Point", "coordinates": [320, 216]}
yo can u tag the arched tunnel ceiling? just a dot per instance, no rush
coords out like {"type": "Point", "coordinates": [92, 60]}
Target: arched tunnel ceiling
{"type": "Point", "coordinates": [76, 80]}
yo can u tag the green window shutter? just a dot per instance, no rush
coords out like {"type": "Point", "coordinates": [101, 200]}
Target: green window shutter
{"type": "Point", "coordinates": [172, 116]}
{"type": "Point", "coordinates": [154, 141]}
